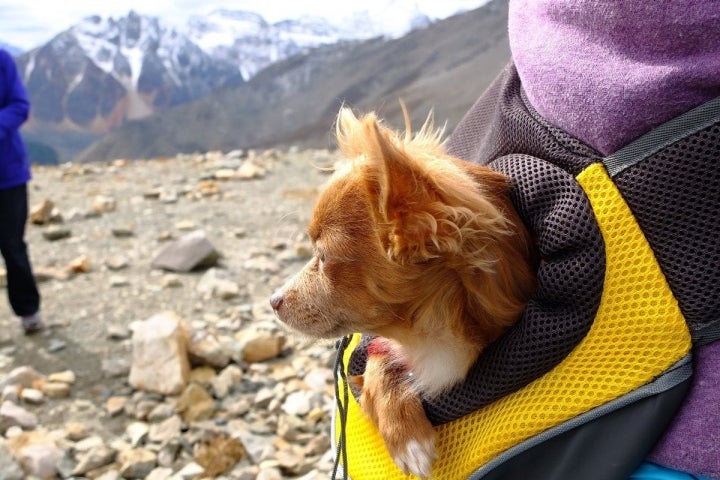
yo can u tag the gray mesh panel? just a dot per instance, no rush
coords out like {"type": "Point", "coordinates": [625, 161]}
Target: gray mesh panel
{"type": "Point", "coordinates": [675, 197]}
{"type": "Point", "coordinates": [561, 312]}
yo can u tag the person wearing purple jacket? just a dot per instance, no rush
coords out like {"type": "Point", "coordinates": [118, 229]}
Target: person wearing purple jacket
{"type": "Point", "coordinates": [14, 176]}
{"type": "Point", "coordinates": [632, 90]}
{"type": "Point", "coordinates": [607, 72]}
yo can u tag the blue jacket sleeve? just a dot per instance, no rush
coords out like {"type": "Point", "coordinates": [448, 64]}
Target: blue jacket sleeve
{"type": "Point", "coordinates": [14, 104]}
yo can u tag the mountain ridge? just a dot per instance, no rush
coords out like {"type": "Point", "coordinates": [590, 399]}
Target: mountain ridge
{"type": "Point", "coordinates": [441, 68]}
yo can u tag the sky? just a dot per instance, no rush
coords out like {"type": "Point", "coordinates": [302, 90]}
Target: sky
{"type": "Point", "coordinates": [30, 23]}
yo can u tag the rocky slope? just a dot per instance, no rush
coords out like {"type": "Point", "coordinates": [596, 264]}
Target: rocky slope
{"type": "Point", "coordinates": [258, 401]}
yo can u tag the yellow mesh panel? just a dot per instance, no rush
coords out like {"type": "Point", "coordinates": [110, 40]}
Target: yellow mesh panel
{"type": "Point", "coordinates": [637, 335]}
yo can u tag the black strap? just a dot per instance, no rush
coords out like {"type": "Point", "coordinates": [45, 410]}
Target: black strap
{"type": "Point", "coordinates": [342, 406]}
{"type": "Point", "coordinates": [661, 137]}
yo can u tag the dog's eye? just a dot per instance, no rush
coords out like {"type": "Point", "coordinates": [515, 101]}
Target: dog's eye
{"type": "Point", "coordinates": [319, 260]}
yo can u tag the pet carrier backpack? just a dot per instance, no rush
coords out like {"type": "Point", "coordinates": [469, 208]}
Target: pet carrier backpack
{"type": "Point", "coordinates": [584, 385]}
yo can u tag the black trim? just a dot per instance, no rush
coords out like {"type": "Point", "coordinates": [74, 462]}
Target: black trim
{"type": "Point", "coordinates": [609, 447]}
{"type": "Point", "coordinates": [663, 136]}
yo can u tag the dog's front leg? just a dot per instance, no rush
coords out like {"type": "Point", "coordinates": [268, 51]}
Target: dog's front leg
{"type": "Point", "coordinates": [390, 401]}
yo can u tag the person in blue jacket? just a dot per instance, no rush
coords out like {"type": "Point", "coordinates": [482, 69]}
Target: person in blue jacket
{"type": "Point", "coordinates": [14, 176]}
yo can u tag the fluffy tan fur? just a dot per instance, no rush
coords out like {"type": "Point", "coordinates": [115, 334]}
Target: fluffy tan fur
{"type": "Point", "coordinates": [422, 249]}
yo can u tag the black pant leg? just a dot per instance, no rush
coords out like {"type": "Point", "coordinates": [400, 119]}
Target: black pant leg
{"type": "Point", "coordinates": [22, 290]}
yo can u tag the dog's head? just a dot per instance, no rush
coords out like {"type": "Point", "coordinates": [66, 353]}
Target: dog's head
{"type": "Point", "coordinates": [404, 235]}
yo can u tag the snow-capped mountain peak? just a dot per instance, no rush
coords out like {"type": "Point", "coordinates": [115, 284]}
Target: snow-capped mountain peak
{"type": "Point", "coordinates": [103, 71]}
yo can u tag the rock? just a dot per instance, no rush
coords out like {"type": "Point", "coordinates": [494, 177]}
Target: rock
{"type": "Point", "coordinates": [80, 264]}
{"type": "Point", "coordinates": [222, 383]}
{"type": "Point", "coordinates": [124, 231]}
{"type": "Point", "coordinates": [152, 194]}
{"type": "Point", "coordinates": [9, 466]}
{"type": "Point", "coordinates": [169, 452]}
{"type": "Point", "coordinates": [115, 405]}
{"type": "Point", "coordinates": [66, 376]}
{"type": "Point", "coordinates": [202, 375]}
{"type": "Point", "coordinates": [56, 390]}
{"type": "Point", "coordinates": [104, 204]}
{"type": "Point", "coordinates": [269, 473]}
{"type": "Point", "coordinates": [160, 473]}
{"type": "Point", "coordinates": [185, 225]}
{"type": "Point", "coordinates": [94, 458]}
{"type": "Point", "coordinates": [137, 462]}
{"type": "Point", "coordinates": [55, 233]}
{"type": "Point", "coordinates": [195, 404]}
{"type": "Point", "coordinates": [76, 431]}
{"type": "Point", "coordinates": [25, 377]}
{"type": "Point", "coordinates": [291, 462]}
{"type": "Point", "coordinates": [171, 280]}
{"type": "Point", "coordinates": [218, 454]}
{"type": "Point", "coordinates": [137, 432]}
{"type": "Point", "coordinates": [44, 274]}
{"type": "Point", "coordinates": [56, 345]}
{"type": "Point", "coordinates": [41, 213]}
{"type": "Point", "coordinates": [191, 251]}
{"type": "Point", "coordinates": [318, 445]}
{"type": "Point", "coordinates": [13, 415]}
{"type": "Point", "coordinates": [262, 264]}
{"type": "Point", "coordinates": [118, 332]}
{"type": "Point", "coordinates": [89, 443]}
{"type": "Point", "coordinates": [166, 430]}
{"type": "Point", "coordinates": [117, 281]}
{"type": "Point", "coordinates": [32, 396]}
{"type": "Point", "coordinates": [159, 357]}
{"type": "Point", "coordinates": [116, 262]}
{"type": "Point", "coordinates": [11, 393]}
{"type": "Point", "coordinates": [248, 171]}
{"type": "Point", "coordinates": [258, 447]}
{"type": "Point", "coordinates": [215, 283]}
{"type": "Point", "coordinates": [205, 349]}
{"type": "Point", "coordinates": [190, 471]}
{"type": "Point", "coordinates": [224, 174]}
{"type": "Point", "coordinates": [161, 412]}
{"type": "Point", "coordinates": [40, 459]}
{"type": "Point", "coordinates": [298, 403]}
{"type": "Point", "coordinates": [260, 345]}
{"type": "Point", "coordinates": [291, 428]}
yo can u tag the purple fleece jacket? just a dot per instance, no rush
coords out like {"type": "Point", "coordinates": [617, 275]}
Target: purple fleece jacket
{"type": "Point", "coordinates": [608, 71]}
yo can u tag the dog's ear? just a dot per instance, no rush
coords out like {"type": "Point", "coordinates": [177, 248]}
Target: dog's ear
{"type": "Point", "coordinates": [424, 203]}
{"type": "Point", "coordinates": [403, 194]}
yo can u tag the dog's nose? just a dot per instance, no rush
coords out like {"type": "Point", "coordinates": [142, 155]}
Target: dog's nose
{"type": "Point", "coordinates": [276, 301]}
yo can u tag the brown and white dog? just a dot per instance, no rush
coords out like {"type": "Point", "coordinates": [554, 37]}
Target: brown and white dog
{"type": "Point", "coordinates": [424, 250]}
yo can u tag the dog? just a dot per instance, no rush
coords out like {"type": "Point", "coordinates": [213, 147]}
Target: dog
{"type": "Point", "coordinates": [420, 249]}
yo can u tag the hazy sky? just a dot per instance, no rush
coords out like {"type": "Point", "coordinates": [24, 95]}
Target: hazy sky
{"type": "Point", "coordinates": [29, 23]}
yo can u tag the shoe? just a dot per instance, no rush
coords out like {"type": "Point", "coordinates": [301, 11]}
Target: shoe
{"type": "Point", "coordinates": [32, 323]}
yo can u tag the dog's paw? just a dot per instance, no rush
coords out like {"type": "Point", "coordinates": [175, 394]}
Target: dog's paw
{"type": "Point", "coordinates": [417, 457]}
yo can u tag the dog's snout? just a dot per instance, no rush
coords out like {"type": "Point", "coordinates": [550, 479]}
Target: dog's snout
{"type": "Point", "coordinates": [276, 301]}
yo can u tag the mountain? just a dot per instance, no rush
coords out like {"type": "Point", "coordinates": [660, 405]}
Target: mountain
{"type": "Point", "coordinates": [443, 67]}
{"type": "Point", "coordinates": [11, 49]}
{"type": "Point", "coordinates": [102, 72]}
{"type": "Point", "coordinates": [248, 41]}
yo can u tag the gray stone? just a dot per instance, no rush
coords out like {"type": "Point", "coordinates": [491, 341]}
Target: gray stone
{"type": "Point", "coordinates": [14, 415]}
{"type": "Point", "coordinates": [191, 251]}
